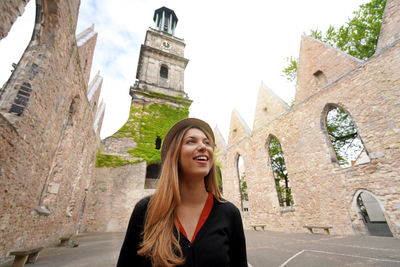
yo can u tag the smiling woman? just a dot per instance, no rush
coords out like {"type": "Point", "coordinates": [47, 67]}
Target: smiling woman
{"type": "Point", "coordinates": [14, 44]}
{"type": "Point", "coordinates": [186, 222]}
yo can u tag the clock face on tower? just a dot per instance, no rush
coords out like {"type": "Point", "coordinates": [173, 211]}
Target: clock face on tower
{"type": "Point", "coordinates": [166, 44]}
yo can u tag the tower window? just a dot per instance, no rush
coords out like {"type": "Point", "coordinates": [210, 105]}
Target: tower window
{"type": "Point", "coordinates": [158, 142]}
{"type": "Point", "coordinates": [320, 78]}
{"type": "Point", "coordinates": [164, 72]}
{"type": "Point", "coordinates": [166, 24]}
{"type": "Point", "coordinates": [153, 171]}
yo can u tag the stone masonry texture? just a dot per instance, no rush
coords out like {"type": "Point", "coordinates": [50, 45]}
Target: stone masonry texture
{"type": "Point", "coordinates": [324, 194]}
{"type": "Point", "coordinates": [47, 140]}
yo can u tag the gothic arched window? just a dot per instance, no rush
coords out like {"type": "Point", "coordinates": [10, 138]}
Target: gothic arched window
{"type": "Point", "coordinates": [281, 178]}
{"type": "Point", "coordinates": [244, 197]}
{"type": "Point", "coordinates": [346, 142]}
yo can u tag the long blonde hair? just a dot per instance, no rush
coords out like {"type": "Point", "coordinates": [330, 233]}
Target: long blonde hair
{"type": "Point", "coordinates": [160, 244]}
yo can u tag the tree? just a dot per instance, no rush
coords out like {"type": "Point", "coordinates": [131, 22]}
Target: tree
{"type": "Point", "coordinates": [343, 135]}
{"type": "Point", "coordinates": [280, 173]}
{"type": "Point", "coordinates": [358, 37]}
{"type": "Point", "coordinates": [290, 71]}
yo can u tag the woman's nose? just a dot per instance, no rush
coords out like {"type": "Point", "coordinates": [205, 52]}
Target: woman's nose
{"type": "Point", "coordinates": [202, 146]}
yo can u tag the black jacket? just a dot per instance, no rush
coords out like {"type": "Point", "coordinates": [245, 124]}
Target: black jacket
{"type": "Point", "coordinates": [220, 241]}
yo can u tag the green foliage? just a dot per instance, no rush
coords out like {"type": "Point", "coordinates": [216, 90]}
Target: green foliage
{"type": "Point", "coordinates": [243, 188]}
{"type": "Point", "coordinates": [219, 179]}
{"type": "Point", "coordinates": [362, 206]}
{"type": "Point", "coordinates": [290, 71]}
{"type": "Point", "coordinates": [358, 37]}
{"type": "Point", "coordinates": [145, 124]}
{"type": "Point", "coordinates": [219, 173]}
{"type": "Point", "coordinates": [280, 172]}
{"type": "Point", "coordinates": [105, 160]}
{"type": "Point", "coordinates": [343, 135]}
{"type": "Point", "coordinates": [292, 103]}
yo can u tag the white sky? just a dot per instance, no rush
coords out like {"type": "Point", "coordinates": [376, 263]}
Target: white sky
{"type": "Point", "coordinates": [231, 45]}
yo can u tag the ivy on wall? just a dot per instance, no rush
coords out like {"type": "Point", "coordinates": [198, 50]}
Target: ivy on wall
{"type": "Point", "coordinates": [154, 121]}
{"type": "Point", "coordinates": [105, 160]}
{"type": "Point", "coordinates": [144, 125]}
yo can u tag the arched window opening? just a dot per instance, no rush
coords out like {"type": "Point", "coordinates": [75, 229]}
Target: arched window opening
{"type": "Point", "coordinates": [72, 110]}
{"type": "Point", "coordinates": [372, 214]}
{"type": "Point", "coordinates": [14, 44]}
{"type": "Point", "coordinates": [320, 78]}
{"type": "Point", "coordinates": [344, 138]}
{"type": "Point", "coordinates": [152, 174]}
{"type": "Point", "coordinates": [158, 143]}
{"type": "Point", "coordinates": [153, 171]}
{"type": "Point", "coordinates": [279, 169]}
{"type": "Point", "coordinates": [166, 24]}
{"type": "Point", "coordinates": [164, 71]}
{"type": "Point", "coordinates": [244, 197]}
{"type": "Point", "coordinates": [219, 178]}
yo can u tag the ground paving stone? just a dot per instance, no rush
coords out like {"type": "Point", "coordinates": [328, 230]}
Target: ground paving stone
{"type": "Point", "coordinates": [264, 248]}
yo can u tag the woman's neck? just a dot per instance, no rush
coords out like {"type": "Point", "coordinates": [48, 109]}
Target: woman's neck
{"type": "Point", "coordinates": [193, 191]}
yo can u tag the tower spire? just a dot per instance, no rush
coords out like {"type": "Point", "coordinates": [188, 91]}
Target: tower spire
{"type": "Point", "coordinates": [165, 20]}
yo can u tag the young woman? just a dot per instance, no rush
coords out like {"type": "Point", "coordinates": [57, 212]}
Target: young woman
{"type": "Point", "coordinates": [186, 222]}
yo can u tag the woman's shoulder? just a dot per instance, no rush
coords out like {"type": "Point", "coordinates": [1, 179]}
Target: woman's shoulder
{"type": "Point", "coordinates": [227, 206]}
{"type": "Point", "coordinates": [143, 203]}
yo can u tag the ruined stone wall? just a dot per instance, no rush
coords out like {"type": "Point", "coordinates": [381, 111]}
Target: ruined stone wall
{"type": "Point", "coordinates": [390, 30]}
{"type": "Point", "coordinates": [113, 196]}
{"type": "Point", "coordinates": [10, 10]}
{"type": "Point", "coordinates": [323, 192]}
{"type": "Point", "coordinates": [315, 70]}
{"type": "Point", "coordinates": [86, 52]}
{"type": "Point", "coordinates": [48, 143]}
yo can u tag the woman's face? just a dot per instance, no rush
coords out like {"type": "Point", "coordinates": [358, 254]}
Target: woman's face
{"type": "Point", "coordinates": [196, 156]}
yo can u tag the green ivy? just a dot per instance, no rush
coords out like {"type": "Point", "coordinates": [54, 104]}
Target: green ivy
{"type": "Point", "coordinates": [148, 124]}
{"type": "Point", "coordinates": [218, 166]}
{"type": "Point", "coordinates": [144, 125]}
{"type": "Point", "coordinates": [105, 160]}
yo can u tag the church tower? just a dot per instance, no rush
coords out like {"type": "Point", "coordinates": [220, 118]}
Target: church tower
{"type": "Point", "coordinates": [161, 67]}
{"type": "Point", "coordinates": [158, 96]}
{"type": "Point", "coordinates": [128, 162]}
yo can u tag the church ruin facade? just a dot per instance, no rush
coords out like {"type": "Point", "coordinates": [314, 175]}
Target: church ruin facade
{"type": "Point", "coordinates": [360, 198]}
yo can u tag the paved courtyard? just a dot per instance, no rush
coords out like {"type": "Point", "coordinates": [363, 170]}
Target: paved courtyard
{"type": "Point", "coordinates": [263, 249]}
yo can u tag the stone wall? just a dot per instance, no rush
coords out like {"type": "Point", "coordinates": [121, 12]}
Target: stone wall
{"type": "Point", "coordinates": [10, 10]}
{"type": "Point", "coordinates": [113, 195]}
{"type": "Point", "coordinates": [323, 192]}
{"type": "Point", "coordinates": [47, 139]}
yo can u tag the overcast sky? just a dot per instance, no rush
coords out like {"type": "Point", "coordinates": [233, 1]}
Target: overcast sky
{"type": "Point", "coordinates": [232, 47]}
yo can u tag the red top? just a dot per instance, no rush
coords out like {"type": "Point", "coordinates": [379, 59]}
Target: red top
{"type": "Point", "coordinates": [203, 217]}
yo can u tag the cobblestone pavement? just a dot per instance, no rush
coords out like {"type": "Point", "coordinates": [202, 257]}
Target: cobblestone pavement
{"type": "Point", "coordinates": [263, 249]}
